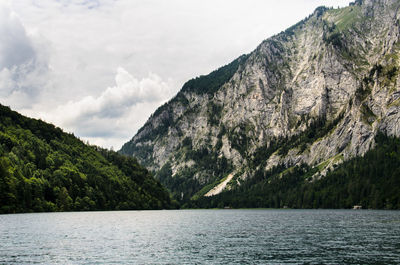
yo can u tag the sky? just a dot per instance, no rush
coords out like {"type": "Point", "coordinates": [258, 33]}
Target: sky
{"type": "Point", "coordinates": [100, 68]}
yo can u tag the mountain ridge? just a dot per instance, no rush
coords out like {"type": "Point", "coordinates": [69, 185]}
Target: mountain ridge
{"type": "Point", "coordinates": [317, 94]}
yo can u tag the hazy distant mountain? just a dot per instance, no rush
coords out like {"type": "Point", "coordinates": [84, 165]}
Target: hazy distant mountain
{"type": "Point", "coordinates": [307, 99]}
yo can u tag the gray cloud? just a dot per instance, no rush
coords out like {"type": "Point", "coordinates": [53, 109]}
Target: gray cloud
{"type": "Point", "coordinates": [23, 62]}
{"type": "Point", "coordinates": [15, 46]}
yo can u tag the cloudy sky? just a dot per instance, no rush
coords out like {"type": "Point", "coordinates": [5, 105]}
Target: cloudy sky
{"type": "Point", "coordinates": [99, 68]}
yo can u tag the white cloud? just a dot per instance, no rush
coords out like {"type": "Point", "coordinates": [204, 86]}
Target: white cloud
{"type": "Point", "coordinates": [58, 58]}
{"type": "Point", "coordinates": [115, 111]}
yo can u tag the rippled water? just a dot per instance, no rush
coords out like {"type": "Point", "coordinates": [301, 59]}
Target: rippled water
{"type": "Point", "coordinates": [201, 236]}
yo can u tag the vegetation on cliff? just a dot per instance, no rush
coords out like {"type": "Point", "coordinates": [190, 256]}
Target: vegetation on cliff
{"type": "Point", "coordinates": [284, 119]}
{"type": "Point", "coordinates": [372, 181]}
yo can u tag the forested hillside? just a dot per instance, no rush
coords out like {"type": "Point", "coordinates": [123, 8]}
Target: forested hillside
{"type": "Point", "coordinates": [372, 181]}
{"type": "Point", "coordinates": [44, 169]}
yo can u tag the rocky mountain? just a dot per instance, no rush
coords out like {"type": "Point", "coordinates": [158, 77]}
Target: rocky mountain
{"type": "Point", "coordinates": [313, 96]}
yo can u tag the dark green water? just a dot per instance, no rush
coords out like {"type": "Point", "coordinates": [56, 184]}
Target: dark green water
{"type": "Point", "coordinates": [202, 237]}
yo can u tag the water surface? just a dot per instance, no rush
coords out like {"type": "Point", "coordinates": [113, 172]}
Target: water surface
{"type": "Point", "coordinates": [202, 237]}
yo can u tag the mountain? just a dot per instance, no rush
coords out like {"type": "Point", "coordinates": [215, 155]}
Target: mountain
{"type": "Point", "coordinates": [306, 100]}
{"type": "Point", "coordinates": [44, 169]}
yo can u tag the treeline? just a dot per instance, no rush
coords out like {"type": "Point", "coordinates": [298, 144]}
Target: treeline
{"type": "Point", "coordinates": [209, 84]}
{"type": "Point", "coordinates": [372, 181]}
{"type": "Point", "coordinates": [44, 169]}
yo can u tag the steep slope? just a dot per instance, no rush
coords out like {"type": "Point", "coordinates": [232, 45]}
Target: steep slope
{"type": "Point", "coordinates": [316, 94]}
{"type": "Point", "coordinates": [44, 169]}
{"type": "Point", "coordinates": [371, 181]}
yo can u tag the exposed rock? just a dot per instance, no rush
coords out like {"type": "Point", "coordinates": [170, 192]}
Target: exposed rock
{"type": "Point", "coordinates": [339, 66]}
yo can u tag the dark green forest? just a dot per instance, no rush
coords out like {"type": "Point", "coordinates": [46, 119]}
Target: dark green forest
{"type": "Point", "coordinates": [372, 181]}
{"type": "Point", "coordinates": [44, 169]}
{"type": "Point", "coordinates": [209, 84]}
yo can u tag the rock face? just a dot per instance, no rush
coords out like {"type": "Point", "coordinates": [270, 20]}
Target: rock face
{"type": "Point", "coordinates": [317, 94]}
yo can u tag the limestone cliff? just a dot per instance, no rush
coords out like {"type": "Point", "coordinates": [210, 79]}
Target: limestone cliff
{"type": "Point", "coordinates": [315, 94]}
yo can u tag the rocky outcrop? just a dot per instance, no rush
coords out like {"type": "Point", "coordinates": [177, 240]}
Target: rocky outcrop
{"type": "Point", "coordinates": [317, 94]}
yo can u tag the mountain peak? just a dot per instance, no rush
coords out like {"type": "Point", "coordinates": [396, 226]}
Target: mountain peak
{"type": "Point", "coordinates": [316, 94]}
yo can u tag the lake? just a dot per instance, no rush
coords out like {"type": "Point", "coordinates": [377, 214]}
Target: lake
{"type": "Point", "coordinates": [202, 237]}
